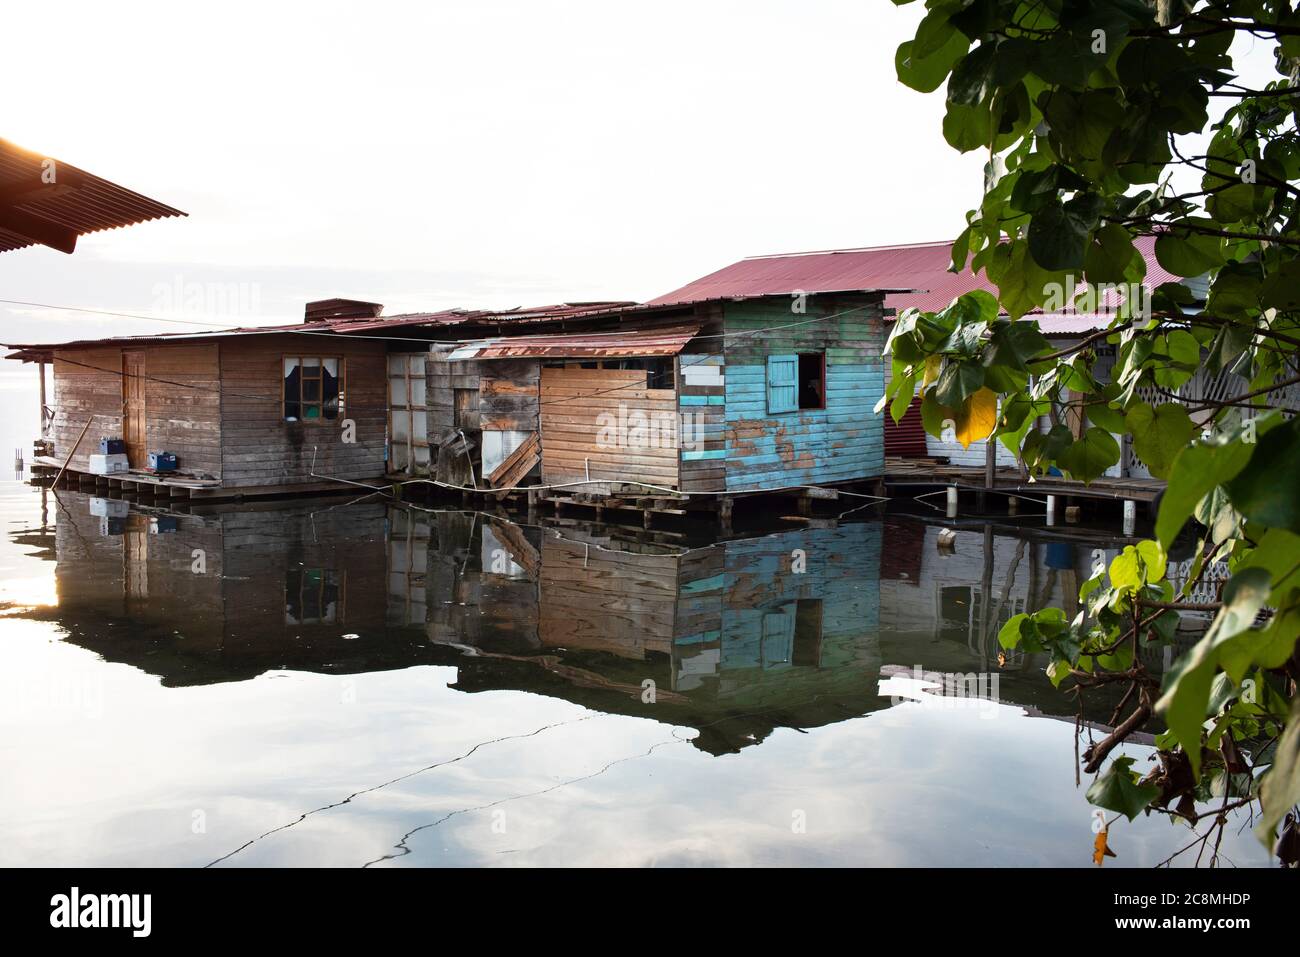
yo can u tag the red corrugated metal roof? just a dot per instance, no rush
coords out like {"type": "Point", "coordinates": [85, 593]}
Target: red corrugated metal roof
{"type": "Point", "coordinates": [582, 345]}
{"type": "Point", "coordinates": [75, 200]}
{"type": "Point", "coordinates": [919, 266]}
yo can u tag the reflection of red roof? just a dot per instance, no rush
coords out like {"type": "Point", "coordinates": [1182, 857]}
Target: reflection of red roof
{"type": "Point", "coordinates": [920, 266]}
{"type": "Point", "coordinates": [49, 202]}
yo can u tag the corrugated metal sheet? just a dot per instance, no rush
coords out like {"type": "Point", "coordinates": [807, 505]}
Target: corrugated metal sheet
{"type": "Point", "coordinates": [582, 345]}
{"type": "Point", "coordinates": [88, 204]}
{"type": "Point", "coordinates": [906, 437]}
{"type": "Point", "coordinates": [359, 326]}
{"type": "Point", "coordinates": [921, 266]}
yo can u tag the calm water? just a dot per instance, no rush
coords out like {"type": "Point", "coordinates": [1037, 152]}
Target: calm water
{"type": "Point", "coordinates": [354, 683]}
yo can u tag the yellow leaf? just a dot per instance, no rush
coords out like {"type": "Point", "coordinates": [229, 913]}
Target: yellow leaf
{"type": "Point", "coordinates": [977, 417]}
{"type": "Point", "coordinates": [931, 373]}
{"type": "Point", "coordinates": [1100, 850]}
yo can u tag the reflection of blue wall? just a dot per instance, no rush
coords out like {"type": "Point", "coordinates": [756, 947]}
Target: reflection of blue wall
{"type": "Point", "coordinates": [767, 617]}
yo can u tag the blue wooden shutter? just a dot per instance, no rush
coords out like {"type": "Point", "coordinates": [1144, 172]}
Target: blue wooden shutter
{"type": "Point", "coordinates": [782, 384]}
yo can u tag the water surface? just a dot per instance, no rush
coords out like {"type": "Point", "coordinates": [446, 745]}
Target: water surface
{"type": "Point", "coordinates": [354, 683]}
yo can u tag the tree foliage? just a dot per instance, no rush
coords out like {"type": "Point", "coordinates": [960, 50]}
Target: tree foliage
{"type": "Point", "coordinates": [1105, 121]}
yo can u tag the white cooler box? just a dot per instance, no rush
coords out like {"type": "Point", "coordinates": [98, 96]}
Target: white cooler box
{"type": "Point", "coordinates": [108, 464]}
{"type": "Point", "coordinates": [109, 508]}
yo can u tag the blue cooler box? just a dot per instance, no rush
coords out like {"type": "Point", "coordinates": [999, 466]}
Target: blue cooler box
{"type": "Point", "coordinates": [162, 462]}
{"type": "Point", "coordinates": [112, 447]}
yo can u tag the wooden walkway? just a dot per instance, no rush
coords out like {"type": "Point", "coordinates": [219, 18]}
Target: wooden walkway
{"type": "Point", "coordinates": [903, 472]}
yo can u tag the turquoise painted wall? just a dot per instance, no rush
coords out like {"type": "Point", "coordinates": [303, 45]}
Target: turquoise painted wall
{"type": "Point", "coordinates": [842, 442]}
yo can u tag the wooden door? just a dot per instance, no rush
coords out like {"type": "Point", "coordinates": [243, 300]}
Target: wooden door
{"type": "Point", "coordinates": [133, 412]}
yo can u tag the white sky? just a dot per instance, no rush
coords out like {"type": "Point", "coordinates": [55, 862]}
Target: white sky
{"type": "Point", "coordinates": [497, 153]}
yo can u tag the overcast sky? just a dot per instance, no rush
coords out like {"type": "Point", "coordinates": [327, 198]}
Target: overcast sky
{"type": "Point", "coordinates": [489, 154]}
{"type": "Point", "coordinates": [432, 155]}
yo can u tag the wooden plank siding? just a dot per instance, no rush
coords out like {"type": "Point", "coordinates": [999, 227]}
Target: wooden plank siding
{"type": "Point", "coordinates": [639, 441]}
{"type": "Point", "coordinates": [841, 442]}
{"type": "Point", "coordinates": [701, 380]}
{"type": "Point", "coordinates": [259, 448]}
{"type": "Point", "coordinates": [181, 396]}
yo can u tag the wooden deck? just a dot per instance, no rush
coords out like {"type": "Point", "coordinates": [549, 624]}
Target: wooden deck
{"type": "Point", "coordinates": [178, 485]}
{"type": "Point", "coordinates": [903, 472]}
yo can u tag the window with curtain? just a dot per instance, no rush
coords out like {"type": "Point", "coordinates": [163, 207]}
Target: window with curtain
{"type": "Point", "coordinates": [313, 389]}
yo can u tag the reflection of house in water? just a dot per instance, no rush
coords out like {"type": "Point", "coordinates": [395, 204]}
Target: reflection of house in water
{"type": "Point", "coordinates": [734, 638]}
{"type": "Point", "coordinates": [225, 596]}
{"type": "Point", "coordinates": [964, 591]}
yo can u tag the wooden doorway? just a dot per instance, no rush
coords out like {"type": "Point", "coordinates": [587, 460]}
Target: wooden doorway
{"type": "Point", "coordinates": [133, 410]}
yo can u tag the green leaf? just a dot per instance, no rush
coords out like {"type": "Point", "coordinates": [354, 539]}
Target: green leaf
{"type": "Point", "coordinates": [971, 82]}
{"type": "Point", "coordinates": [1009, 634]}
{"type": "Point", "coordinates": [1103, 416]}
{"type": "Point", "coordinates": [1112, 257]}
{"type": "Point", "coordinates": [957, 381]}
{"type": "Point", "coordinates": [1153, 558]}
{"type": "Point", "coordinates": [1190, 255]}
{"type": "Point", "coordinates": [1280, 788]}
{"type": "Point", "coordinates": [1266, 490]}
{"type": "Point", "coordinates": [1117, 789]}
{"type": "Point", "coordinates": [1058, 234]}
{"type": "Point", "coordinates": [934, 414]}
{"type": "Point", "coordinates": [1197, 469]}
{"type": "Point", "coordinates": [906, 388]}
{"type": "Point", "coordinates": [1159, 434]}
{"type": "Point", "coordinates": [1014, 344]}
{"type": "Point", "coordinates": [1090, 455]}
{"type": "Point", "coordinates": [1187, 685]}
{"type": "Point", "coordinates": [925, 71]}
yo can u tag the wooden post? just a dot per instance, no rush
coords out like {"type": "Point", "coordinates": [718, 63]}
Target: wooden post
{"type": "Point", "coordinates": [73, 450]}
{"type": "Point", "coordinates": [1130, 517]}
{"type": "Point", "coordinates": [724, 511]}
{"type": "Point", "coordinates": [952, 501]}
{"type": "Point", "coordinates": [1051, 510]}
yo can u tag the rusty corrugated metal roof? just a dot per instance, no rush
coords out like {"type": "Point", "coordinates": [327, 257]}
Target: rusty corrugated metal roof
{"type": "Point", "coordinates": [75, 201]}
{"type": "Point", "coordinates": [359, 326]}
{"type": "Point", "coordinates": [582, 345]}
{"type": "Point", "coordinates": [919, 268]}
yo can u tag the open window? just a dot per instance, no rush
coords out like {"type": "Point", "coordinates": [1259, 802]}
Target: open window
{"type": "Point", "coordinates": [796, 382]}
{"type": "Point", "coordinates": [313, 389]}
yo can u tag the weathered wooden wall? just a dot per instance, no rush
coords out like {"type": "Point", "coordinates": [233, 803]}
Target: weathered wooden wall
{"type": "Point", "coordinates": [261, 449]}
{"type": "Point", "coordinates": [86, 382]}
{"type": "Point", "coordinates": [182, 403]}
{"type": "Point", "coordinates": [639, 443]}
{"type": "Point", "coordinates": [508, 406]}
{"type": "Point", "coordinates": [185, 418]}
{"type": "Point", "coordinates": [842, 442]}
{"type": "Point", "coordinates": [443, 380]}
